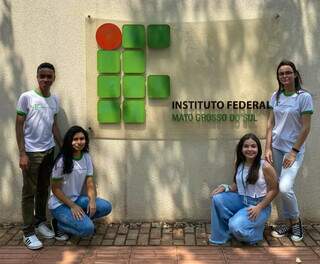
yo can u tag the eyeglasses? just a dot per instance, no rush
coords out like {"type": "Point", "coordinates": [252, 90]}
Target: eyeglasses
{"type": "Point", "coordinates": [285, 73]}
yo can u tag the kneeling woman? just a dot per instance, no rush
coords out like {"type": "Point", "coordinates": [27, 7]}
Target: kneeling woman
{"type": "Point", "coordinates": [72, 212]}
{"type": "Point", "coordinates": [243, 208]}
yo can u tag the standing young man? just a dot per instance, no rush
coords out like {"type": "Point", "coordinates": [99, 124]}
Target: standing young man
{"type": "Point", "coordinates": [36, 129]}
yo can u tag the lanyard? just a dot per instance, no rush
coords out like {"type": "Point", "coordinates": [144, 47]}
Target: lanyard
{"type": "Point", "coordinates": [244, 186]}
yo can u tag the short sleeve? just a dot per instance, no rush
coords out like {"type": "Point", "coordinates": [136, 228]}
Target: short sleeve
{"type": "Point", "coordinates": [57, 171]}
{"type": "Point", "coordinates": [89, 165]}
{"type": "Point", "coordinates": [57, 105]}
{"type": "Point", "coordinates": [273, 100]}
{"type": "Point", "coordinates": [306, 105]}
{"type": "Point", "coordinates": [22, 105]}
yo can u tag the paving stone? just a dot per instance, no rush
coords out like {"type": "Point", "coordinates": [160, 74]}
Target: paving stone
{"type": "Point", "coordinates": [146, 225]}
{"type": "Point", "coordinates": [314, 234]}
{"type": "Point", "coordinates": [155, 233]}
{"type": "Point", "coordinates": [273, 241]}
{"type": "Point", "coordinates": [178, 233]}
{"type": "Point", "coordinates": [120, 240]}
{"type": "Point", "coordinates": [101, 229]}
{"type": "Point", "coordinates": [201, 242]}
{"type": "Point", "coordinates": [96, 240]}
{"type": "Point", "coordinates": [285, 241]}
{"type": "Point", "coordinates": [167, 230]}
{"type": "Point", "coordinates": [156, 225]}
{"type": "Point", "coordinates": [178, 242]}
{"type": "Point", "coordinates": [131, 242]}
{"type": "Point", "coordinates": [190, 240]}
{"type": "Point", "coordinates": [308, 240]}
{"type": "Point", "coordinates": [133, 234]}
{"type": "Point", "coordinates": [107, 242]}
{"type": "Point", "coordinates": [110, 235]}
{"type": "Point", "coordinates": [189, 230]}
{"type": "Point", "coordinates": [123, 229]}
{"type": "Point", "coordinates": [208, 228]}
{"type": "Point", "coordinates": [155, 242]}
{"type": "Point", "coordinates": [143, 239]}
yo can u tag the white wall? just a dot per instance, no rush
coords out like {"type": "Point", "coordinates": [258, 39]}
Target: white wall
{"type": "Point", "coordinates": [144, 179]}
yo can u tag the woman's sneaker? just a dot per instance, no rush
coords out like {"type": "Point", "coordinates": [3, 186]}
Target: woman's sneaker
{"type": "Point", "coordinates": [44, 231]}
{"type": "Point", "coordinates": [32, 242]}
{"type": "Point", "coordinates": [58, 234]}
{"type": "Point", "coordinates": [280, 231]}
{"type": "Point", "coordinates": [297, 231]}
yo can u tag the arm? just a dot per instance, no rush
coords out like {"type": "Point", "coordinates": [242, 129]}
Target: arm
{"type": "Point", "coordinates": [270, 125]}
{"type": "Point", "coordinates": [291, 157]}
{"type": "Point", "coordinates": [91, 192]}
{"type": "Point", "coordinates": [56, 132]}
{"type": "Point", "coordinates": [221, 188]}
{"type": "Point", "coordinates": [76, 210]}
{"type": "Point", "coordinates": [23, 160]}
{"type": "Point", "coordinates": [272, 191]}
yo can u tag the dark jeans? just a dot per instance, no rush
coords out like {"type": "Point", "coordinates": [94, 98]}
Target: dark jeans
{"type": "Point", "coordinates": [35, 189]}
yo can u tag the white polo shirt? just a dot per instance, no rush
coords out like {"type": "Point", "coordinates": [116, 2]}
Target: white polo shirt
{"type": "Point", "coordinates": [287, 118]}
{"type": "Point", "coordinates": [73, 182]}
{"type": "Point", "coordinates": [39, 112]}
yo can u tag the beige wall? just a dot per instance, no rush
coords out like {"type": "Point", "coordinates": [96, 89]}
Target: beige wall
{"type": "Point", "coordinates": [153, 178]}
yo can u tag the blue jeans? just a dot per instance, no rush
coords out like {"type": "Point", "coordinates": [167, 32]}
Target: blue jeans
{"type": "Point", "coordinates": [286, 178]}
{"type": "Point", "coordinates": [229, 216]}
{"type": "Point", "coordinates": [84, 226]}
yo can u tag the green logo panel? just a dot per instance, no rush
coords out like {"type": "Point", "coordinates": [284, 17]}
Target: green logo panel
{"type": "Point", "coordinates": [158, 86]}
{"type": "Point", "coordinates": [109, 86]}
{"type": "Point", "coordinates": [108, 61]}
{"type": "Point", "coordinates": [134, 111]}
{"type": "Point", "coordinates": [134, 61]}
{"type": "Point", "coordinates": [158, 36]}
{"type": "Point", "coordinates": [134, 36]}
{"type": "Point", "coordinates": [109, 111]}
{"type": "Point", "coordinates": [134, 86]}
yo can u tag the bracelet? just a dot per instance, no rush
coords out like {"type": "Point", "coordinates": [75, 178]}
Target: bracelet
{"type": "Point", "coordinates": [295, 150]}
{"type": "Point", "coordinates": [226, 187]}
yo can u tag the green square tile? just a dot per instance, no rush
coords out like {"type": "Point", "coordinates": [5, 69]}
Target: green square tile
{"type": "Point", "coordinates": [158, 36]}
{"type": "Point", "coordinates": [134, 61]}
{"type": "Point", "coordinates": [133, 36]}
{"type": "Point", "coordinates": [158, 86]}
{"type": "Point", "coordinates": [108, 61]}
{"type": "Point", "coordinates": [134, 111]}
{"type": "Point", "coordinates": [109, 111]}
{"type": "Point", "coordinates": [108, 86]}
{"type": "Point", "coordinates": [134, 86]}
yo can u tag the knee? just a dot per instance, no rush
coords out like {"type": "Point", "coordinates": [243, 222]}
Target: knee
{"type": "Point", "coordinates": [285, 188]}
{"type": "Point", "coordinates": [86, 229]}
{"type": "Point", "coordinates": [104, 207]}
{"type": "Point", "coordinates": [217, 199]}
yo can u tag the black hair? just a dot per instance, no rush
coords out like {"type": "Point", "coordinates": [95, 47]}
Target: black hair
{"type": "Point", "coordinates": [46, 65]}
{"type": "Point", "coordinates": [254, 169]}
{"type": "Point", "coordinates": [67, 150]}
{"type": "Point", "coordinates": [297, 78]}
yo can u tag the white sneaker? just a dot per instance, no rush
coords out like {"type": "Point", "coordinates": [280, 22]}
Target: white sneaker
{"type": "Point", "coordinates": [59, 235]}
{"type": "Point", "coordinates": [32, 242]}
{"type": "Point", "coordinates": [44, 231]}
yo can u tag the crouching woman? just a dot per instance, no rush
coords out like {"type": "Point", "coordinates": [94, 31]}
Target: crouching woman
{"type": "Point", "coordinates": [73, 170]}
{"type": "Point", "coordinates": [242, 209]}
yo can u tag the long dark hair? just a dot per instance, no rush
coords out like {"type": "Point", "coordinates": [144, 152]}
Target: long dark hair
{"type": "Point", "coordinates": [297, 78]}
{"type": "Point", "coordinates": [254, 169]}
{"type": "Point", "coordinates": [67, 150]}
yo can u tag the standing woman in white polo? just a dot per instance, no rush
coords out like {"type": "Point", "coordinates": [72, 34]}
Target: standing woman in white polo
{"type": "Point", "coordinates": [287, 130]}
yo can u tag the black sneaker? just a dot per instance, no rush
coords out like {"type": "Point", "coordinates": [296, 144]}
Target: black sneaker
{"type": "Point", "coordinates": [280, 231]}
{"type": "Point", "coordinates": [58, 234]}
{"type": "Point", "coordinates": [297, 231]}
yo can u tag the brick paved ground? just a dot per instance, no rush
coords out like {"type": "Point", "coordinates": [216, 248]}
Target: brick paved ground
{"type": "Point", "coordinates": [159, 243]}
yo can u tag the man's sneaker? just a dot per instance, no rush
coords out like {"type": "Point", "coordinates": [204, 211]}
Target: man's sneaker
{"type": "Point", "coordinates": [58, 234]}
{"type": "Point", "coordinates": [297, 231]}
{"type": "Point", "coordinates": [44, 231]}
{"type": "Point", "coordinates": [280, 231]}
{"type": "Point", "coordinates": [32, 242]}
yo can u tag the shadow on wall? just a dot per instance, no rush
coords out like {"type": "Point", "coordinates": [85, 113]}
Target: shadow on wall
{"type": "Point", "coordinates": [152, 162]}
{"type": "Point", "coordinates": [13, 82]}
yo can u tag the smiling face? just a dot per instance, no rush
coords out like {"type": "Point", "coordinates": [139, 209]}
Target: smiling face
{"type": "Point", "coordinates": [78, 142]}
{"type": "Point", "coordinates": [45, 77]}
{"type": "Point", "coordinates": [286, 76]}
{"type": "Point", "coordinates": [249, 149]}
